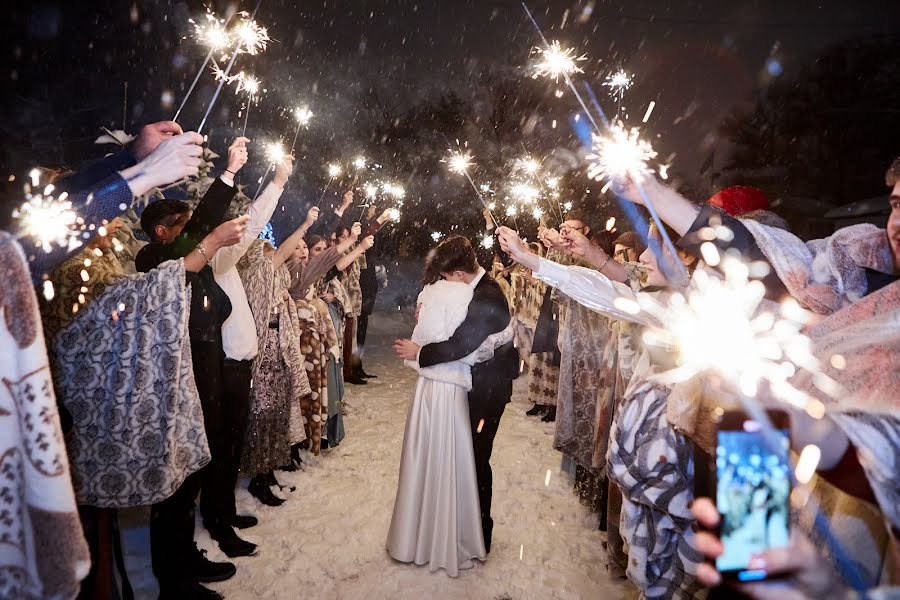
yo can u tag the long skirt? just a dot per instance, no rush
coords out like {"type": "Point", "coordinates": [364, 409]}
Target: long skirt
{"type": "Point", "coordinates": [437, 514]}
{"type": "Point", "coordinates": [314, 405]}
{"type": "Point", "coordinates": [543, 379]}
{"type": "Point", "coordinates": [267, 444]}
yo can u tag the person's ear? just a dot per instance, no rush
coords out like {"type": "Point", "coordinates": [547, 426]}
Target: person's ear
{"type": "Point", "coordinates": [587, 231]}
{"type": "Point", "coordinates": [160, 231]}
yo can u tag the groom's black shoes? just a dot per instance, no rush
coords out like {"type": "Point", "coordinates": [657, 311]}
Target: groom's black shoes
{"type": "Point", "coordinates": [487, 527]}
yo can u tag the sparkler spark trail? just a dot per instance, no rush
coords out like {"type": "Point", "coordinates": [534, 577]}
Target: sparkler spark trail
{"type": "Point", "coordinates": [620, 154]}
{"type": "Point", "coordinates": [525, 193]}
{"type": "Point", "coordinates": [214, 35]}
{"type": "Point", "coordinates": [459, 162]}
{"type": "Point", "coordinates": [618, 82]}
{"type": "Point", "coordinates": [717, 326]}
{"type": "Point", "coordinates": [334, 170]}
{"type": "Point", "coordinates": [234, 54]}
{"type": "Point", "coordinates": [275, 153]}
{"type": "Point", "coordinates": [556, 61]}
{"type": "Point", "coordinates": [253, 38]}
{"type": "Point", "coordinates": [528, 165]}
{"type": "Point", "coordinates": [359, 162]}
{"type": "Point", "coordinates": [394, 214]}
{"type": "Point", "coordinates": [487, 241]}
{"type": "Point", "coordinates": [47, 220]}
{"type": "Point", "coordinates": [303, 116]}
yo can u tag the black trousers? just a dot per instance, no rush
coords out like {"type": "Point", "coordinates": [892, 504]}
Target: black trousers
{"type": "Point", "coordinates": [172, 520]}
{"type": "Point", "coordinates": [227, 443]}
{"type": "Point", "coordinates": [486, 406]}
{"type": "Point", "coordinates": [362, 325]}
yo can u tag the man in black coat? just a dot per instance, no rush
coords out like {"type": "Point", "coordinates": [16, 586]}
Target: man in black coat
{"type": "Point", "coordinates": [454, 259]}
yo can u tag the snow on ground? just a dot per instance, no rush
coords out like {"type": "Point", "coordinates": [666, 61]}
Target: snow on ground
{"type": "Point", "coordinates": [327, 541]}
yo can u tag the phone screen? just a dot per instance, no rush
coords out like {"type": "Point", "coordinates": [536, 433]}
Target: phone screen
{"type": "Point", "coordinates": [752, 494]}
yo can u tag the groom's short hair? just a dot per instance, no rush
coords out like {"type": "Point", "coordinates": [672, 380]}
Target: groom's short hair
{"type": "Point", "coordinates": [454, 254]}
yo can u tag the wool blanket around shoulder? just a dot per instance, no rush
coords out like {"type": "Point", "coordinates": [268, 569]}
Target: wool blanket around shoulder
{"type": "Point", "coordinates": [124, 372]}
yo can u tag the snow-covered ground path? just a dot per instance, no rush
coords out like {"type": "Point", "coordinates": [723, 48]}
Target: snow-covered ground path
{"type": "Point", "coordinates": [327, 541]}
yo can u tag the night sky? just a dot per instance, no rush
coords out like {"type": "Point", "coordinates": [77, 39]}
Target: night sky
{"type": "Point", "coordinates": [359, 65]}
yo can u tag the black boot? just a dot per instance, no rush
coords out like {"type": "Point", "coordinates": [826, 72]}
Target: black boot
{"type": "Point", "coordinates": [366, 375]}
{"type": "Point", "coordinates": [186, 590]}
{"type": "Point", "coordinates": [550, 417]}
{"type": "Point", "coordinates": [536, 410]}
{"type": "Point", "coordinates": [204, 570]}
{"type": "Point", "coordinates": [244, 521]}
{"type": "Point", "coordinates": [290, 467]}
{"type": "Point", "coordinates": [355, 379]}
{"type": "Point", "coordinates": [229, 541]}
{"type": "Point", "coordinates": [295, 454]}
{"type": "Point", "coordinates": [259, 489]}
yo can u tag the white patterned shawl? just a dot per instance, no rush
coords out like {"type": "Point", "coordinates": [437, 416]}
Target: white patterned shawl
{"type": "Point", "coordinates": [43, 553]}
{"type": "Point", "coordinates": [124, 372]}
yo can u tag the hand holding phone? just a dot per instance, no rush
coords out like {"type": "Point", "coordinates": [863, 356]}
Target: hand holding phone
{"type": "Point", "coordinates": [752, 492]}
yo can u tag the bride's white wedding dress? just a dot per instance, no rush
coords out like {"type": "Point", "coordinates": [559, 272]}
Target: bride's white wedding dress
{"type": "Point", "coordinates": [437, 516]}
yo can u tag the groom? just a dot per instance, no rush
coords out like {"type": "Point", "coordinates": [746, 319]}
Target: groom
{"type": "Point", "coordinates": [455, 260]}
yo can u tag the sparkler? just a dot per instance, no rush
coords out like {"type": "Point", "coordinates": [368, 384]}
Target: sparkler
{"type": "Point", "coordinates": [303, 116]}
{"type": "Point", "coordinates": [653, 214]}
{"type": "Point", "coordinates": [557, 62]}
{"type": "Point", "coordinates": [250, 85]}
{"type": "Point", "coordinates": [620, 154]}
{"type": "Point", "coordinates": [435, 235]}
{"type": "Point", "coordinates": [49, 221]}
{"type": "Point", "coordinates": [487, 241]}
{"type": "Point", "coordinates": [334, 170]}
{"type": "Point", "coordinates": [617, 83]}
{"type": "Point", "coordinates": [214, 35]}
{"type": "Point", "coordinates": [460, 162]}
{"type": "Point", "coordinates": [274, 154]}
{"type": "Point", "coordinates": [394, 214]}
{"type": "Point", "coordinates": [251, 39]}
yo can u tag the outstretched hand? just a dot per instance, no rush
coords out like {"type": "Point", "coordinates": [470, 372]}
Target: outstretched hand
{"type": "Point", "coordinates": [237, 155]}
{"type": "Point", "coordinates": [151, 136]}
{"type": "Point", "coordinates": [576, 243]}
{"type": "Point", "coordinates": [283, 170]}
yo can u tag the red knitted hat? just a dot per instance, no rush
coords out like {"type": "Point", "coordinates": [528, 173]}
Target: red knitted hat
{"type": "Point", "coordinates": [738, 199]}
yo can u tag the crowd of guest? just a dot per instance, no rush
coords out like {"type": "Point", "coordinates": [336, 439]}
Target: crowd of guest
{"type": "Point", "coordinates": [636, 443]}
{"type": "Point", "coordinates": [176, 364]}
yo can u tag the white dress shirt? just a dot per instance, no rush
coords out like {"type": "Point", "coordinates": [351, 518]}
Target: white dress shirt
{"type": "Point", "coordinates": [474, 283]}
{"type": "Point", "coordinates": [239, 329]}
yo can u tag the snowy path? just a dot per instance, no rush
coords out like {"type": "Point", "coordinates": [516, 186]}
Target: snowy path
{"type": "Point", "coordinates": [327, 540]}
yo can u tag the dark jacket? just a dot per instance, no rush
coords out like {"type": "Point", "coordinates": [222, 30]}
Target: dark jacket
{"type": "Point", "coordinates": [488, 314]}
{"type": "Point", "coordinates": [210, 305]}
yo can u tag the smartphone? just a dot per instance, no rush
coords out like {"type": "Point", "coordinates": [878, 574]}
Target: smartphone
{"type": "Point", "coordinates": [752, 490]}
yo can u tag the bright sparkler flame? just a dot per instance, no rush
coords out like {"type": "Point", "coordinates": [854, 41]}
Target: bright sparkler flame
{"type": "Point", "coordinates": [720, 326]}
{"type": "Point", "coordinates": [618, 82]}
{"type": "Point", "coordinates": [394, 214]}
{"type": "Point", "coordinates": [392, 189]}
{"type": "Point", "coordinates": [213, 34]}
{"type": "Point", "coordinates": [275, 152]}
{"type": "Point", "coordinates": [253, 38]}
{"type": "Point", "coordinates": [371, 190]}
{"type": "Point", "coordinates": [247, 83]}
{"type": "Point", "coordinates": [511, 210]}
{"type": "Point", "coordinates": [334, 170]}
{"type": "Point", "coordinates": [557, 61]}
{"type": "Point", "coordinates": [525, 193]}
{"type": "Point", "coordinates": [359, 162]}
{"type": "Point", "coordinates": [459, 162]}
{"type": "Point", "coordinates": [487, 241]}
{"type": "Point", "coordinates": [552, 183]}
{"type": "Point", "coordinates": [303, 115]}
{"type": "Point", "coordinates": [567, 205]}
{"type": "Point", "coordinates": [618, 154]}
{"type": "Point", "coordinates": [48, 220]}
{"type": "Point", "coordinates": [537, 213]}
{"type": "Point", "coordinates": [528, 165]}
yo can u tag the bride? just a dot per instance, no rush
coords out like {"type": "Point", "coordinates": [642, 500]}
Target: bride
{"type": "Point", "coordinates": [437, 516]}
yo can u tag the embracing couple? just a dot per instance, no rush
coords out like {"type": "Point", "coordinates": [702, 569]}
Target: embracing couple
{"type": "Point", "coordinates": [462, 349]}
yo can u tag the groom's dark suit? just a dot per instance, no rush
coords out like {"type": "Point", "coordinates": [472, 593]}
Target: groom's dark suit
{"type": "Point", "coordinates": [491, 380]}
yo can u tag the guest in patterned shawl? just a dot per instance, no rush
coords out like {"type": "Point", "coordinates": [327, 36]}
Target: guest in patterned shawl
{"type": "Point", "coordinates": [280, 379]}
{"type": "Point", "coordinates": [305, 272]}
{"type": "Point", "coordinates": [649, 461]}
{"type": "Point", "coordinates": [350, 278]}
